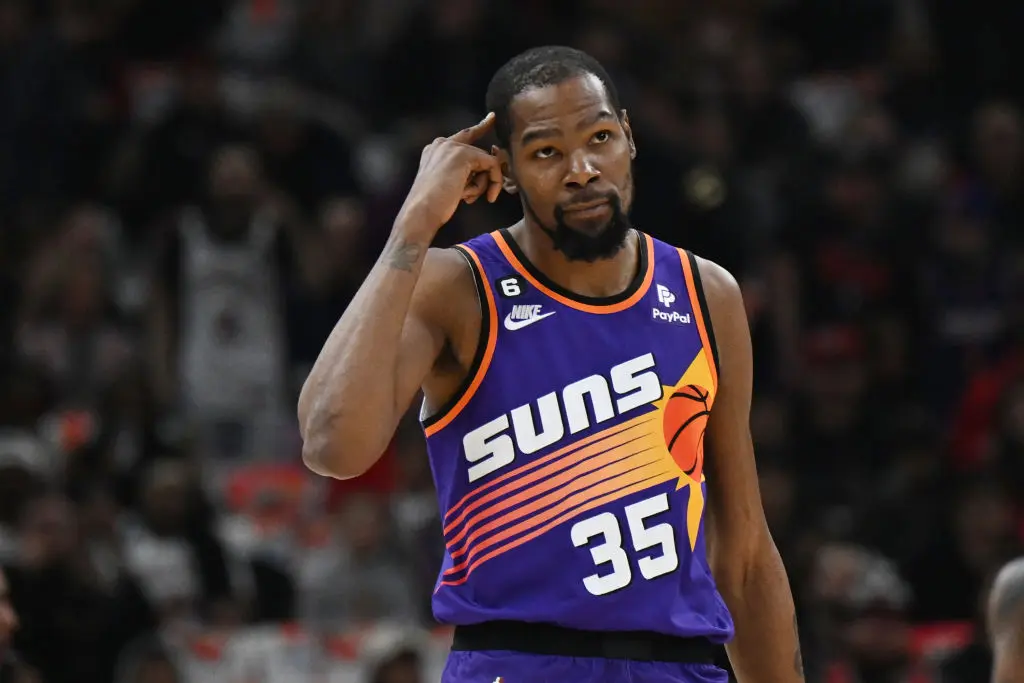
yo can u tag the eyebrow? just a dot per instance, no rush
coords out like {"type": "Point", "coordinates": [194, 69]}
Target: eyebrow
{"type": "Point", "coordinates": [535, 134]}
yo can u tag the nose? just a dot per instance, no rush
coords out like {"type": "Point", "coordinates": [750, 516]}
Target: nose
{"type": "Point", "coordinates": [581, 171]}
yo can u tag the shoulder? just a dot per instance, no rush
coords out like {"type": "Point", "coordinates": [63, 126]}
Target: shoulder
{"type": "Point", "coordinates": [447, 288]}
{"type": "Point", "coordinates": [715, 285]}
{"type": "Point", "coordinates": [721, 289]}
{"type": "Point", "coordinates": [448, 271]}
{"type": "Point", "coordinates": [728, 328]}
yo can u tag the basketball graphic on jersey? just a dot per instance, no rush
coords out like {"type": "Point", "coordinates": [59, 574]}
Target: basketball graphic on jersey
{"type": "Point", "coordinates": [683, 413]}
{"type": "Point", "coordinates": [684, 420]}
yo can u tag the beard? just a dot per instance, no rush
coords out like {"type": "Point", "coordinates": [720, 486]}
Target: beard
{"type": "Point", "coordinates": [600, 243]}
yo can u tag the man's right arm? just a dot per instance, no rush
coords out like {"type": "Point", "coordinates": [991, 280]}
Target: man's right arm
{"type": "Point", "coordinates": [392, 333]}
{"type": "Point", "coordinates": [378, 355]}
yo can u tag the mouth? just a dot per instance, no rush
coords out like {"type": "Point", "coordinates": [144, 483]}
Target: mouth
{"type": "Point", "coordinates": [589, 211]}
{"type": "Point", "coordinates": [586, 206]}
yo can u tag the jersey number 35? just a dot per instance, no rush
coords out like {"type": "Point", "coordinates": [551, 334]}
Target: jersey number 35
{"type": "Point", "coordinates": [642, 537]}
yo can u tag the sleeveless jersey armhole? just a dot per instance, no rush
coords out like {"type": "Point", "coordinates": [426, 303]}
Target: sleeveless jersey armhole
{"type": "Point", "coordinates": [702, 313]}
{"type": "Point", "coordinates": [484, 349]}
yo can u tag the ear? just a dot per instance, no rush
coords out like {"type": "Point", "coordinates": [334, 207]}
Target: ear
{"type": "Point", "coordinates": [629, 134]}
{"type": "Point", "coordinates": [505, 159]}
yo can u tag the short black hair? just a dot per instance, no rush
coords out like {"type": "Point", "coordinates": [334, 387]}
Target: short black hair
{"type": "Point", "coordinates": [540, 67]}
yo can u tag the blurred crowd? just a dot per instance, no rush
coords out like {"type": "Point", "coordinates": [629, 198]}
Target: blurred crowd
{"type": "Point", "coordinates": [191, 191]}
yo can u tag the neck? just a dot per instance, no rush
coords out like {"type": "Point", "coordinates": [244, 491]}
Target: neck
{"type": "Point", "coordinates": [602, 278]}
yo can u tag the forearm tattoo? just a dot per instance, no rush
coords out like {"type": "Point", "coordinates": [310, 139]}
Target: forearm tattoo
{"type": "Point", "coordinates": [403, 255]}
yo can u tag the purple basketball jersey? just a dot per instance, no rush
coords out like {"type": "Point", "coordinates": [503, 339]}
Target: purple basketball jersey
{"type": "Point", "coordinates": [569, 469]}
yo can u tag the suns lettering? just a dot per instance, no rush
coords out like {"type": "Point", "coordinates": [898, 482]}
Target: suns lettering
{"type": "Point", "coordinates": [529, 437]}
{"type": "Point", "coordinates": [574, 397]}
{"type": "Point", "coordinates": [636, 383]}
{"type": "Point", "coordinates": [543, 423]}
{"type": "Point", "coordinates": [488, 448]}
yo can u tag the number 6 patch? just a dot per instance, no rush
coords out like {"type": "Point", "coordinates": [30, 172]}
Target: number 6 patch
{"type": "Point", "coordinates": [510, 287]}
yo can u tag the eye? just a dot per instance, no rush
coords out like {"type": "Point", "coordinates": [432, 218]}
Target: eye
{"type": "Point", "coordinates": [545, 153]}
{"type": "Point", "coordinates": [602, 136]}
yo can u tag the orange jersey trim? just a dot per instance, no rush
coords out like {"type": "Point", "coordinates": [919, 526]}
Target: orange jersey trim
{"type": "Point", "coordinates": [499, 239]}
{"type": "Point", "coordinates": [698, 315]}
{"type": "Point", "coordinates": [487, 301]}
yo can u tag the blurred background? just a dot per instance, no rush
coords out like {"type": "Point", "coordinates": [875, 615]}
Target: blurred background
{"type": "Point", "coordinates": [191, 191]}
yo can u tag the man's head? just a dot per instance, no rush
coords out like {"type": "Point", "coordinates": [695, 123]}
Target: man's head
{"type": "Point", "coordinates": [166, 496]}
{"type": "Point", "coordinates": [1006, 622]}
{"type": "Point", "coordinates": [566, 148]}
{"type": "Point", "coordinates": [235, 182]}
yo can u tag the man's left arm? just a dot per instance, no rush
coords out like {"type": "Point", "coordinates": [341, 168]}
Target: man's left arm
{"type": "Point", "coordinates": [744, 560]}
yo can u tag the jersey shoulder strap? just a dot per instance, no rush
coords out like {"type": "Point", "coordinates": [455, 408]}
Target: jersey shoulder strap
{"type": "Point", "coordinates": [477, 253]}
{"type": "Point", "coordinates": [701, 312]}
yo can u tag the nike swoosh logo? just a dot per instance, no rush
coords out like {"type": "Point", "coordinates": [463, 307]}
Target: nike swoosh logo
{"type": "Point", "coordinates": [513, 325]}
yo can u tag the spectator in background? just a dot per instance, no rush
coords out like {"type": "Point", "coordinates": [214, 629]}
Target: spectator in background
{"type": "Point", "coordinates": [864, 618]}
{"type": "Point", "coordinates": [181, 566]}
{"type": "Point", "coordinates": [395, 655]}
{"type": "Point", "coordinates": [358, 577]}
{"type": "Point", "coordinates": [317, 300]}
{"type": "Point", "coordinates": [997, 161]}
{"type": "Point", "coordinates": [966, 289]}
{"type": "Point", "coordinates": [951, 571]}
{"type": "Point", "coordinates": [832, 442]}
{"type": "Point", "coordinates": [218, 313]}
{"type": "Point", "coordinates": [131, 434]}
{"type": "Point", "coordinates": [63, 605]}
{"type": "Point", "coordinates": [303, 155]}
{"type": "Point", "coordinates": [70, 325]}
{"type": "Point", "coordinates": [173, 156]}
{"type": "Point", "coordinates": [147, 662]}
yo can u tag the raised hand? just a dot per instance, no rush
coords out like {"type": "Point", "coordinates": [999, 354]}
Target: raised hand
{"type": "Point", "coordinates": [453, 170]}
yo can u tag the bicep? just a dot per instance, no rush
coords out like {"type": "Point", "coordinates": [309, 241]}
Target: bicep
{"type": "Point", "coordinates": [430, 321]}
{"type": "Point", "coordinates": [734, 500]}
{"type": "Point", "coordinates": [421, 343]}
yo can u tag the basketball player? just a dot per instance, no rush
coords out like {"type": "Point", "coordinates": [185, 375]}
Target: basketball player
{"type": "Point", "coordinates": [1006, 623]}
{"type": "Point", "coordinates": [573, 369]}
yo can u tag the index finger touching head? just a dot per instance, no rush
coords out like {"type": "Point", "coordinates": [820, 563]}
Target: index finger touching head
{"type": "Point", "coordinates": [476, 131]}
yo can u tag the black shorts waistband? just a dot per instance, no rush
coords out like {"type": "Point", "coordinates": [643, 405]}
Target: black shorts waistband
{"type": "Point", "coordinates": [549, 639]}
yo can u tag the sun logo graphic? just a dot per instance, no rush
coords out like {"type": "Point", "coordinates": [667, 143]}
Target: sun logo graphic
{"type": "Point", "coordinates": [683, 411]}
